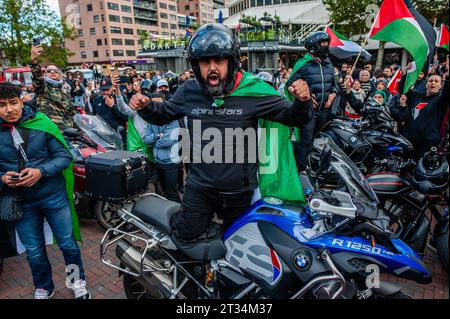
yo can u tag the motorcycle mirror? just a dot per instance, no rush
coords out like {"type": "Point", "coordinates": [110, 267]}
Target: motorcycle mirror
{"type": "Point", "coordinates": [325, 159]}
{"type": "Point", "coordinates": [72, 133]}
{"type": "Point", "coordinates": [120, 129]}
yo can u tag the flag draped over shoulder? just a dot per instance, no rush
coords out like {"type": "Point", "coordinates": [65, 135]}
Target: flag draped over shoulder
{"type": "Point", "coordinates": [398, 22]}
{"type": "Point", "coordinates": [342, 48]}
{"type": "Point", "coordinates": [42, 123]}
{"type": "Point", "coordinates": [282, 182]}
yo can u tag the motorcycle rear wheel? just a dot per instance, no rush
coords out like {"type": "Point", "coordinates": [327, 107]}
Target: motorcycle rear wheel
{"type": "Point", "coordinates": [104, 215]}
{"type": "Point", "coordinates": [133, 289]}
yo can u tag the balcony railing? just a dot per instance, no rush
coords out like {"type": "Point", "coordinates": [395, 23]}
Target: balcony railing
{"type": "Point", "coordinates": [148, 16]}
{"type": "Point", "coordinates": [145, 5]}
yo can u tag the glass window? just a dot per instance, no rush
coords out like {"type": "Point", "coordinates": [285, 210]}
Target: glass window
{"type": "Point", "coordinates": [129, 42]}
{"type": "Point", "coordinates": [95, 53]}
{"type": "Point", "coordinates": [83, 55]}
{"type": "Point", "coordinates": [116, 30]}
{"type": "Point", "coordinates": [114, 18]}
{"type": "Point", "coordinates": [92, 31]}
{"type": "Point", "coordinates": [116, 42]}
{"type": "Point", "coordinates": [163, 15]}
{"type": "Point", "coordinates": [81, 44]}
{"type": "Point", "coordinates": [118, 53]}
{"type": "Point", "coordinates": [113, 6]}
{"type": "Point", "coordinates": [99, 42]}
{"type": "Point", "coordinates": [127, 20]}
{"type": "Point", "coordinates": [89, 7]}
{"type": "Point", "coordinates": [131, 53]}
{"type": "Point", "coordinates": [126, 8]}
{"type": "Point", "coordinates": [162, 5]}
{"type": "Point", "coordinates": [128, 31]}
{"type": "Point", "coordinates": [96, 19]}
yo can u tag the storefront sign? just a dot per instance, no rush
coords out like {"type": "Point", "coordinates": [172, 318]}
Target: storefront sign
{"type": "Point", "coordinates": [149, 46]}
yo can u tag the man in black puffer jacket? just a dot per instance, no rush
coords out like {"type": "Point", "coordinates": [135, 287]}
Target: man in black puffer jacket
{"type": "Point", "coordinates": [316, 69]}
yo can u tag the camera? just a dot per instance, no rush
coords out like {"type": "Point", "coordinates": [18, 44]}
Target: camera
{"type": "Point", "coordinates": [36, 41]}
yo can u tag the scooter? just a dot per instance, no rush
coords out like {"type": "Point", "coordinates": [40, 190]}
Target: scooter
{"type": "Point", "coordinates": [94, 136]}
{"type": "Point", "coordinates": [331, 248]}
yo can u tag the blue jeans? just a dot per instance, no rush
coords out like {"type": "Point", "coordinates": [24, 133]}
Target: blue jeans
{"type": "Point", "coordinates": [30, 229]}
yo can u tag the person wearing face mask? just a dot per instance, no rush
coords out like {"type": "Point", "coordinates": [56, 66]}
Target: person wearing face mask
{"type": "Point", "coordinates": [52, 97]}
{"type": "Point", "coordinates": [316, 69]}
{"type": "Point", "coordinates": [221, 98]}
{"type": "Point", "coordinates": [422, 113]}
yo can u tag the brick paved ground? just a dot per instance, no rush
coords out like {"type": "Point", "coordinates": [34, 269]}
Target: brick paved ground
{"type": "Point", "coordinates": [16, 281]}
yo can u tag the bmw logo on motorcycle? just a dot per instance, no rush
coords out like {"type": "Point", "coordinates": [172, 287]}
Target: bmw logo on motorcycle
{"type": "Point", "coordinates": [302, 262]}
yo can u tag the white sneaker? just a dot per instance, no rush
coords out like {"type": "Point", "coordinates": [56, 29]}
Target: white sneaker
{"type": "Point", "coordinates": [80, 291]}
{"type": "Point", "coordinates": [43, 293]}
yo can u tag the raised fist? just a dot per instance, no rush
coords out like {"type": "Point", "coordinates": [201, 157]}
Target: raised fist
{"type": "Point", "coordinates": [300, 90]}
{"type": "Point", "coordinates": [139, 102]}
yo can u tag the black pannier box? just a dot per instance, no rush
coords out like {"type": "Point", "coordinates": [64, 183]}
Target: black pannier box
{"type": "Point", "coordinates": [116, 175]}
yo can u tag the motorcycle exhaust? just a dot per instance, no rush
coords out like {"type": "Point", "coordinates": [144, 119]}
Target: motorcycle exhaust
{"type": "Point", "coordinates": [159, 283]}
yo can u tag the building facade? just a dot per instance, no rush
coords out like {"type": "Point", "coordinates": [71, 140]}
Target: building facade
{"type": "Point", "coordinates": [111, 31]}
{"type": "Point", "coordinates": [203, 10]}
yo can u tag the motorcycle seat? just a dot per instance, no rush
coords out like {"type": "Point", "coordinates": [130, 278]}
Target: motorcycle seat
{"type": "Point", "coordinates": [208, 246]}
{"type": "Point", "coordinates": [157, 212]}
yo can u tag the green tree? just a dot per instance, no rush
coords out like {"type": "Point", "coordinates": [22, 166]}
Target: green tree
{"type": "Point", "coordinates": [349, 16]}
{"type": "Point", "coordinates": [433, 9]}
{"type": "Point", "coordinates": [23, 20]}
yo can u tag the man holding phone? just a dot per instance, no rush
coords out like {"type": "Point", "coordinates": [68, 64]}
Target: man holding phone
{"type": "Point", "coordinates": [44, 186]}
{"type": "Point", "coordinates": [105, 105]}
{"type": "Point", "coordinates": [52, 98]}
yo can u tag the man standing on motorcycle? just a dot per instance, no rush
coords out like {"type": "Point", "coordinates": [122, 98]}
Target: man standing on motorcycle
{"type": "Point", "coordinates": [316, 69]}
{"type": "Point", "coordinates": [210, 99]}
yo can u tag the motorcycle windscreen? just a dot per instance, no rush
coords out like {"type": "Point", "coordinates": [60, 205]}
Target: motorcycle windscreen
{"type": "Point", "coordinates": [99, 131]}
{"type": "Point", "coordinates": [357, 184]}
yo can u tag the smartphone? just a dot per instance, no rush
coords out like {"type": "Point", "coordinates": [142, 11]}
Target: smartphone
{"type": "Point", "coordinates": [15, 178]}
{"type": "Point", "coordinates": [36, 41]}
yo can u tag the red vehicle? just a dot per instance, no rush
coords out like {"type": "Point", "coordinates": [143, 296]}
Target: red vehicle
{"type": "Point", "coordinates": [22, 74]}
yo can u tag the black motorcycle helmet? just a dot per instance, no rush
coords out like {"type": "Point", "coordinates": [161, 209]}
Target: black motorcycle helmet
{"type": "Point", "coordinates": [313, 41]}
{"type": "Point", "coordinates": [431, 176]}
{"type": "Point", "coordinates": [215, 41]}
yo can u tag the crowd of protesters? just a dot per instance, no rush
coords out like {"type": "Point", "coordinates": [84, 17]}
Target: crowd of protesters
{"type": "Point", "coordinates": [341, 90]}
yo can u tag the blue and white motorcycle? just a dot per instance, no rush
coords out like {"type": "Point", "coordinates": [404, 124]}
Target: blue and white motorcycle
{"type": "Point", "coordinates": [335, 247]}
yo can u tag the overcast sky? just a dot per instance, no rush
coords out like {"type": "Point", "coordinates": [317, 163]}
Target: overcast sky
{"type": "Point", "coordinates": [54, 5]}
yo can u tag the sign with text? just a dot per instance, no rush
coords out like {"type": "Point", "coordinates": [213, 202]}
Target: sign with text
{"type": "Point", "coordinates": [160, 45]}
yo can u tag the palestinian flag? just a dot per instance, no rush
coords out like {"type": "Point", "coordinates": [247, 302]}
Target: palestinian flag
{"type": "Point", "coordinates": [395, 81]}
{"type": "Point", "coordinates": [443, 38]}
{"type": "Point", "coordinates": [398, 22]}
{"type": "Point", "coordinates": [342, 48]}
